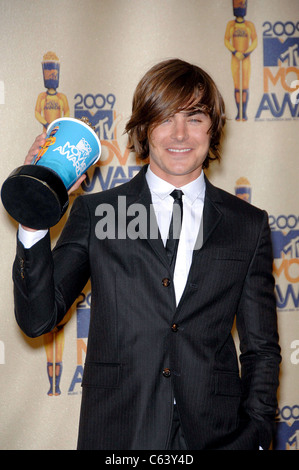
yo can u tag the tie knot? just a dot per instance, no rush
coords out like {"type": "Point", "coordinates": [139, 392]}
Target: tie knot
{"type": "Point", "coordinates": [177, 194]}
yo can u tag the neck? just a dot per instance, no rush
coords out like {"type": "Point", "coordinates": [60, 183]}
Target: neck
{"type": "Point", "coordinates": [177, 180]}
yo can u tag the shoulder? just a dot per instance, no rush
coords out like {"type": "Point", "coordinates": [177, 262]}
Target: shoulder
{"type": "Point", "coordinates": [110, 196]}
{"type": "Point", "coordinates": [230, 24]}
{"type": "Point", "coordinates": [229, 201]}
{"type": "Point", "coordinates": [250, 25]}
{"type": "Point", "coordinates": [42, 95]}
{"type": "Point", "coordinates": [61, 96]}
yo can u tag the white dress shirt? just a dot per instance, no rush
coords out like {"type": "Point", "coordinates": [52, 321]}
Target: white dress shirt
{"type": "Point", "coordinates": [28, 239]}
{"type": "Point", "coordinates": [193, 201]}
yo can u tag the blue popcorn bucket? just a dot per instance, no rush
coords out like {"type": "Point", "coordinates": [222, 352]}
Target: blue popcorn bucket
{"type": "Point", "coordinates": [36, 195]}
{"type": "Point", "coordinates": [70, 149]}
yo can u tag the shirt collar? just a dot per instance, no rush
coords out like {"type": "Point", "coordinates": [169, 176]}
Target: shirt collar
{"type": "Point", "coordinates": [192, 191]}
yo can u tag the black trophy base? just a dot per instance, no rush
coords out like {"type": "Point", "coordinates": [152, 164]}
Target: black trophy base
{"type": "Point", "coordinates": [35, 196]}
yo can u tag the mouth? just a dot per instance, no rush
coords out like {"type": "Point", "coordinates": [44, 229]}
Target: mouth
{"type": "Point", "coordinates": [179, 150]}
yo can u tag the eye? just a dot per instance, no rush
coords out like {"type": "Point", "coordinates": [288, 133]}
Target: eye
{"type": "Point", "coordinates": [167, 120]}
{"type": "Point", "coordinates": [195, 119]}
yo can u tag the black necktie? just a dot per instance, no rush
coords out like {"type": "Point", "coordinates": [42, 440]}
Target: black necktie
{"type": "Point", "coordinates": [175, 227]}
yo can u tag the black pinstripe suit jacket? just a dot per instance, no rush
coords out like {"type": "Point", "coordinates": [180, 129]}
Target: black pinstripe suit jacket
{"type": "Point", "coordinates": [136, 360]}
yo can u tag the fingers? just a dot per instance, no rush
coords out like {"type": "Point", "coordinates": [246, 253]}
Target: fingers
{"type": "Point", "coordinates": [77, 184]}
{"type": "Point", "coordinates": [33, 151]}
{"type": "Point", "coordinates": [39, 141]}
{"type": "Point", "coordinates": [29, 229]}
{"type": "Point", "coordinates": [240, 56]}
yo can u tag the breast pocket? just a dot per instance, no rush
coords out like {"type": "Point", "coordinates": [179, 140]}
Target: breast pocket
{"type": "Point", "coordinates": [233, 255]}
{"type": "Point", "coordinates": [221, 273]}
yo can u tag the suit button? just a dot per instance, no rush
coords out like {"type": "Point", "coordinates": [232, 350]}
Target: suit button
{"type": "Point", "coordinates": [174, 327]}
{"type": "Point", "coordinates": [165, 282]}
{"type": "Point", "coordinates": [166, 372]}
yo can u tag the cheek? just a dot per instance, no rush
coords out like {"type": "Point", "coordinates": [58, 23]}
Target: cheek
{"type": "Point", "coordinates": [206, 137]}
{"type": "Point", "coordinates": [152, 142]}
{"type": "Point", "coordinates": [156, 137]}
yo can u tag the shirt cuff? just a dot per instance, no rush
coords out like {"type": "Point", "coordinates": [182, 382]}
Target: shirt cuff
{"type": "Point", "coordinates": [28, 239]}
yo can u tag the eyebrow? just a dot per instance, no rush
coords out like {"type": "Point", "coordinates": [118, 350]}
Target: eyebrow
{"type": "Point", "coordinates": [193, 112]}
{"type": "Point", "coordinates": [197, 108]}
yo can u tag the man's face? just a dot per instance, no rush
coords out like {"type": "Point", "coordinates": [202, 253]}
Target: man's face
{"type": "Point", "coordinates": [178, 147]}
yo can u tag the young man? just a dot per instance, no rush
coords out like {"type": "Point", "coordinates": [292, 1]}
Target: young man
{"type": "Point", "coordinates": [161, 368]}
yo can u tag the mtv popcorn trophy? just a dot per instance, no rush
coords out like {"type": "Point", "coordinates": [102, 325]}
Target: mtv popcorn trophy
{"type": "Point", "coordinates": [241, 40]}
{"type": "Point", "coordinates": [51, 104]}
{"type": "Point", "coordinates": [36, 195]}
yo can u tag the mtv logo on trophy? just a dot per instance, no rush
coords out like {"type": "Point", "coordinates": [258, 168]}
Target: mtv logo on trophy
{"type": "Point", "coordinates": [36, 195]}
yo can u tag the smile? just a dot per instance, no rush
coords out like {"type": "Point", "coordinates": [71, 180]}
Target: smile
{"type": "Point", "coordinates": [179, 150]}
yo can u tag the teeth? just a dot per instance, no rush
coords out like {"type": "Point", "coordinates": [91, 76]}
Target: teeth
{"type": "Point", "coordinates": [178, 150]}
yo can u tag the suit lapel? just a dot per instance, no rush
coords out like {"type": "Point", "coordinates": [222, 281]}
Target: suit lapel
{"type": "Point", "coordinates": [141, 195]}
{"type": "Point", "coordinates": [211, 211]}
{"type": "Point", "coordinates": [211, 215]}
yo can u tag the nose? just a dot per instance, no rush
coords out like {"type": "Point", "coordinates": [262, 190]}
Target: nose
{"type": "Point", "coordinates": [179, 129]}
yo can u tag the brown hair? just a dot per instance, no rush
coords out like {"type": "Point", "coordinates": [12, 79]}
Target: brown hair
{"type": "Point", "coordinates": [170, 87]}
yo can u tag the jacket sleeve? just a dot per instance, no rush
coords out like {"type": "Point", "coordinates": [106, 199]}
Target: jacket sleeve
{"type": "Point", "coordinates": [257, 329]}
{"type": "Point", "coordinates": [47, 283]}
